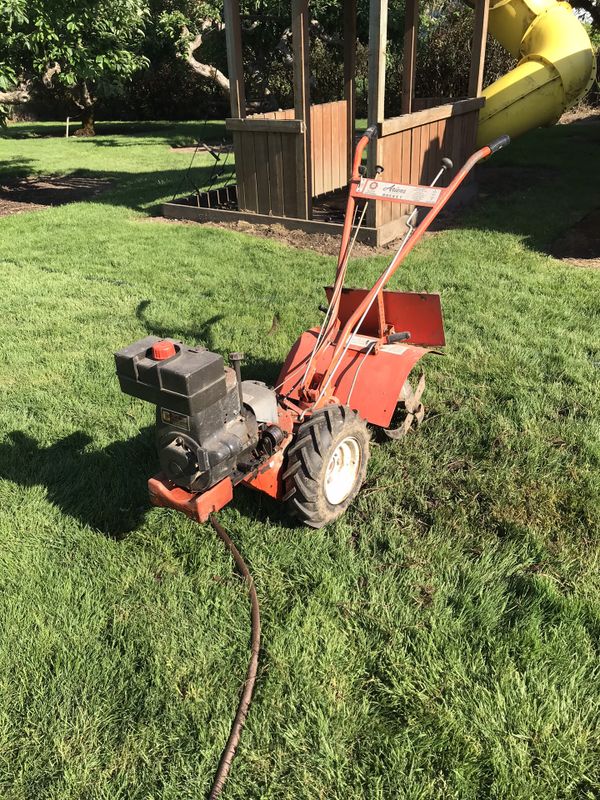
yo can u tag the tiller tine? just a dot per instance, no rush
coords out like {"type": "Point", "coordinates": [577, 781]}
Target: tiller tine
{"type": "Point", "coordinates": [400, 433]}
{"type": "Point", "coordinates": [410, 401]}
{"type": "Point", "coordinates": [412, 398]}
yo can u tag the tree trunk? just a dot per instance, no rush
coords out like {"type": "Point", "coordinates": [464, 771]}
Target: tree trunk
{"type": "Point", "coordinates": [87, 123]}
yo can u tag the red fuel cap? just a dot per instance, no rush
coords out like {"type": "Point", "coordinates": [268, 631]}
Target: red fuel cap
{"type": "Point", "coordinates": [163, 350]}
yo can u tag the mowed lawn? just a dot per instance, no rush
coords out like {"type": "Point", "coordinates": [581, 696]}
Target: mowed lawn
{"type": "Point", "coordinates": [439, 641]}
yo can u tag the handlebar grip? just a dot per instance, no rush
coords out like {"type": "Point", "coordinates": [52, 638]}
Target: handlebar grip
{"type": "Point", "coordinates": [499, 143]}
{"type": "Point", "coordinates": [401, 336]}
{"type": "Point", "coordinates": [371, 132]}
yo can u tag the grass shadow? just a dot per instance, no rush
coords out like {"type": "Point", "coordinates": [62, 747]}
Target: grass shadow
{"type": "Point", "coordinates": [15, 168]}
{"type": "Point", "coordinates": [188, 131]}
{"type": "Point", "coordinates": [105, 489]}
{"type": "Point", "coordinates": [203, 332]}
{"type": "Point", "coordinates": [254, 368]}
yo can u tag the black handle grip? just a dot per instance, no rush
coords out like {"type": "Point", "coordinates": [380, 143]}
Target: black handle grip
{"type": "Point", "coordinates": [499, 143]}
{"type": "Point", "coordinates": [371, 132]}
{"type": "Point", "coordinates": [401, 336]}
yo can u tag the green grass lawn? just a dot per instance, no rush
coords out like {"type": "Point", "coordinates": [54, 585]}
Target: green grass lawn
{"type": "Point", "coordinates": [439, 641]}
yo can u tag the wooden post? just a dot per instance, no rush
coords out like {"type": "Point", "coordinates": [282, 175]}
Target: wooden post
{"type": "Point", "coordinates": [378, 13]}
{"type": "Point", "coordinates": [237, 97]}
{"type": "Point", "coordinates": [350, 76]}
{"type": "Point", "coordinates": [235, 65]}
{"type": "Point", "coordinates": [480, 27]}
{"type": "Point", "coordinates": [302, 106]}
{"type": "Point", "coordinates": [409, 57]}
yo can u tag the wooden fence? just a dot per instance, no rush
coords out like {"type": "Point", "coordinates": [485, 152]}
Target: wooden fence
{"type": "Point", "coordinates": [410, 148]}
{"type": "Point", "coordinates": [329, 146]}
{"type": "Point", "coordinates": [269, 168]}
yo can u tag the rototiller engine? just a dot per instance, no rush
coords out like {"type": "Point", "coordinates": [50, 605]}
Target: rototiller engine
{"type": "Point", "coordinates": [306, 441]}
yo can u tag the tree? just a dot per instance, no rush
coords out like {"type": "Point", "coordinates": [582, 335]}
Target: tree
{"type": "Point", "coordinates": [88, 48]}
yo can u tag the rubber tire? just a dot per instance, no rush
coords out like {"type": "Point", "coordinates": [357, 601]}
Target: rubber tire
{"type": "Point", "coordinates": [307, 460]}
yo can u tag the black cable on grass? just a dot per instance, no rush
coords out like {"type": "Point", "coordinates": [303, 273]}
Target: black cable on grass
{"type": "Point", "coordinates": [244, 704]}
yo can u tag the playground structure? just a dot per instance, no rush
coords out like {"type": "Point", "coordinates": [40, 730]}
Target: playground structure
{"type": "Point", "coordinates": [288, 161]}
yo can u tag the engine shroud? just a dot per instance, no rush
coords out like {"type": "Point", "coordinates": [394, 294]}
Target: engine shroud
{"type": "Point", "coordinates": [202, 431]}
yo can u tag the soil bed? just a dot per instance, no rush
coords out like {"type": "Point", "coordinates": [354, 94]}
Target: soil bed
{"type": "Point", "coordinates": [35, 193]}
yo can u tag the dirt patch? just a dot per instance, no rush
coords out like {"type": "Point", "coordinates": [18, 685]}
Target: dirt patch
{"type": "Point", "coordinates": [35, 193]}
{"type": "Point", "coordinates": [580, 245]}
{"type": "Point", "coordinates": [318, 242]}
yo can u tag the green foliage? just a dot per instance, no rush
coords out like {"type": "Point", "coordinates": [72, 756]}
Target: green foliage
{"type": "Point", "coordinates": [444, 51]}
{"type": "Point", "coordinates": [594, 34]}
{"type": "Point", "coordinates": [8, 78]}
{"type": "Point", "coordinates": [12, 15]}
{"type": "Point", "coordinates": [102, 45]}
{"type": "Point", "coordinates": [96, 43]}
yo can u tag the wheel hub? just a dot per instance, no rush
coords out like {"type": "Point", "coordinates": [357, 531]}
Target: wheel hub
{"type": "Point", "coordinates": [342, 470]}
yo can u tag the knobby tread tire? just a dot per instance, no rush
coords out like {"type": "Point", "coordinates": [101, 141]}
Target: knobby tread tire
{"type": "Point", "coordinates": [307, 460]}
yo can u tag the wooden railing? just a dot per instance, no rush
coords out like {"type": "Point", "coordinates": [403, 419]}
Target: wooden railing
{"type": "Point", "coordinates": [328, 143]}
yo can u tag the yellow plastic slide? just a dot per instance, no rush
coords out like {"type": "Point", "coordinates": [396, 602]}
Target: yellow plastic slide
{"type": "Point", "coordinates": [556, 69]}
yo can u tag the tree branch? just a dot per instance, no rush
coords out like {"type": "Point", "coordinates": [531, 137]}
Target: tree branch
{"type": "Point", "coordinates": [14, 97]}
{"type": "Point", "coordinates": [86, 98]}
{"type": "Point", "coordinates": [205, 70]}
{"type": "Point", "coordinates": [51, 70]}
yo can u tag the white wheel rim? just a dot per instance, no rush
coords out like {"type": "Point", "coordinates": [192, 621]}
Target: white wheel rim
{"type": "Point", "coordinates": [342, 470]}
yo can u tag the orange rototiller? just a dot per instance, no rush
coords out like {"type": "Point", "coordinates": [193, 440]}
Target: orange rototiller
{"type": "Point", "coordinates": [306, 441]}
